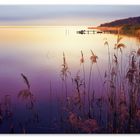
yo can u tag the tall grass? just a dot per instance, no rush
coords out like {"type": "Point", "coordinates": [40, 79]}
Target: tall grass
{"type": "Point", "coordinates": [64, 73]}
{"type": "Point", "coordinates": [93, 59]}
{"type": "Point", "coordinates": [82, 63]}
{"type": "Point", "coordinates": [28, 97]}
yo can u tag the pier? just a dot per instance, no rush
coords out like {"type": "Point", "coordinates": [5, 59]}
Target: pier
{"type": "Point", "coordinates": [88, 32]}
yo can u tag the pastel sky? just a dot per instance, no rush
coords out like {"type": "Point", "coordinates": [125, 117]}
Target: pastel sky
{"type": "Point", "coordinates": [64, 14]}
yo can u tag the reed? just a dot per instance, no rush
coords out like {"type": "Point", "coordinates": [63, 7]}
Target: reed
{"type": "Point", "coordinates": [93, 59]}
{"type": "Point", "coordinates": [27, 96]}
{"type": "Point", "coordinates": [82, 63]}
{"type": "Point", "coordinates": [64, 73]}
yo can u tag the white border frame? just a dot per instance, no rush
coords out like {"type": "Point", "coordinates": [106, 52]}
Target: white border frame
{"type": "Point", "coordinates": [99, 2]}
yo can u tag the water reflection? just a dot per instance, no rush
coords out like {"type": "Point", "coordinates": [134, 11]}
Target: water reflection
{"type": "Point", "coordinates": [38, 53]}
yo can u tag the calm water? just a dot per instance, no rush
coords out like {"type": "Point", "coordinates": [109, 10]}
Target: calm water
{"type": "Point", "coordinates": [37, 52]}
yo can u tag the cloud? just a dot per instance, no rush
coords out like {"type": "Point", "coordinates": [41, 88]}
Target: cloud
{"type": "Point", "coordinates": [35, 14]}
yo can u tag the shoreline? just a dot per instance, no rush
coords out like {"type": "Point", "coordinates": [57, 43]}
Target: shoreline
{"type": "Point", "coordinates": [116, 30]}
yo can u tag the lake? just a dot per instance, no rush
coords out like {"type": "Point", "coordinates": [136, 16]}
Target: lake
{"type": "Point", "coordinates": [38, 53]}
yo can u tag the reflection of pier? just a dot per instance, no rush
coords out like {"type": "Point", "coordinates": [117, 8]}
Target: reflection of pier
{"type": "Point", "coordinates": [88, 32]}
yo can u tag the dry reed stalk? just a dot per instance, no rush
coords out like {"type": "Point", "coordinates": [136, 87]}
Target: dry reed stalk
{"type": "Point", "coordinates": [109, 60]}
{"type": "Point", "coordinates": [27, 95]}
{"type": "Point", "coordinates": [64, 73]}
{"type": "Point", "coordinates": [82, 61]}
{"type": "Point", "coordinates": [93, 59]}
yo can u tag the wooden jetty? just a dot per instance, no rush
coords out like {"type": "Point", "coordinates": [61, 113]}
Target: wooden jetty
{"type": "Point", "coordinates": [88, 32]}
